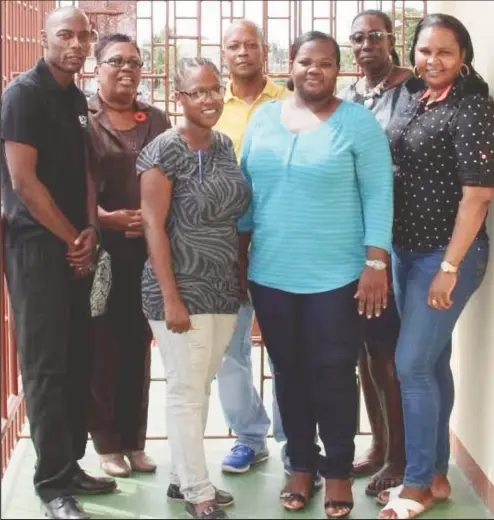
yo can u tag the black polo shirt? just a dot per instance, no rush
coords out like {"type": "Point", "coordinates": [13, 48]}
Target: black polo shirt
{"type": "Point", "coordinates": [38, 111]}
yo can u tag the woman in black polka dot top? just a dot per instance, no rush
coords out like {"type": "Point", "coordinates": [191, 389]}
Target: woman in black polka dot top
{"type": "Point", "coordinates": [443, 152]}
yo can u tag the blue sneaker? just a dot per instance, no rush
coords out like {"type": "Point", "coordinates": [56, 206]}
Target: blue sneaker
{"type": "Point", "coordinates": [241, 458]}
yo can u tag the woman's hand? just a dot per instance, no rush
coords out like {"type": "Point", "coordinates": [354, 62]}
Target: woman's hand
{"type": "Point", "coordinates": [372, 292]}
{"type": "Point", "coordinates": [127, 221]}
{"type": "Point", "coordinates": [177, 317]}
{"type": "Point", "coordinates": [441, 290]}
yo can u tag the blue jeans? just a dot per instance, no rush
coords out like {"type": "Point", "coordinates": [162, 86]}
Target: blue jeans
{"type": "Point", "coordinates": [244, 411]}
{"type": "Point", "coordinates": [423, 355]}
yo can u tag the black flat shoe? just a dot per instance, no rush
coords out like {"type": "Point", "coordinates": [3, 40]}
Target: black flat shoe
{"type": "Point", "coordinates": [84, 484]}
{"type": "Point", "coordinates": [63, 507]}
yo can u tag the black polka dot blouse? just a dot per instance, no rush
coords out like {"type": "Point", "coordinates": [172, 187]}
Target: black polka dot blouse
{"type": "Point", "coordinates": [437, 150]}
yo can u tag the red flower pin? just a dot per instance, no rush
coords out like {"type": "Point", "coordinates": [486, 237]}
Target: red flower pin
{"type": "Point", "coordinates": [140, 117]}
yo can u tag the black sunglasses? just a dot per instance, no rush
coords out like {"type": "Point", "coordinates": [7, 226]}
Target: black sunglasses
{"type": "Point", "coordinates": [358, 38]}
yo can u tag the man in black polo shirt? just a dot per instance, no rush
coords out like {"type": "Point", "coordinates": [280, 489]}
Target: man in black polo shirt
{"type": "Point", "coordinates": [50, 244]}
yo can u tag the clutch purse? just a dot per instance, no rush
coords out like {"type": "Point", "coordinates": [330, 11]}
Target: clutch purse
{"type": "Point", "coordinates": [100, 289]}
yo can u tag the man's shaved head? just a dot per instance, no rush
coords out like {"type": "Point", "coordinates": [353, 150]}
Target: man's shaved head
{"type": "Point", "coordinates": [243, 24]}
{"type": "Point", "coordinates": [62, 13]}
{"type": "Point", "coordinates": [66, 39]}
{"type": "Point", "coordinates": [244, 50]}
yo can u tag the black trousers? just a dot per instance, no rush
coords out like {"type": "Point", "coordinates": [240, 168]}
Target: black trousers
{"type": "Point", "coordinates": [314, 341]}
{"type": "Point", "coordinates": [121, 358]}
{"type": "Point", "coordinates": [52, 322]}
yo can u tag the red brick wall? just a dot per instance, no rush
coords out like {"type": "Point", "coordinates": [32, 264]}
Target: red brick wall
{"type": "Point", "coordinates": [20, 37]}
{"type": "Point", "coordinates": [125, 23]}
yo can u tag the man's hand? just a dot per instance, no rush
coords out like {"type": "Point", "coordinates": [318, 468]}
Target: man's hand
{"type": "Point", "coordinates": [82, 253]}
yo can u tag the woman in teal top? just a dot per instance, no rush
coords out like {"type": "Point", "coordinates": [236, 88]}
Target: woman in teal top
{"type": "Point", "coordinates": [319, 227]}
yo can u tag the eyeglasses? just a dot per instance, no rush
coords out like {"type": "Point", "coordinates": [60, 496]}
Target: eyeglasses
{"type": "Point", "coordinates": [201, 95]}
{"type": "Point", "coordinates": [358, 38]}
{"type": "Point", "coordinates": [119, 63]}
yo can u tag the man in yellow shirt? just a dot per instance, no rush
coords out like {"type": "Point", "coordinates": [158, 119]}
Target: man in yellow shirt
{"type": "Point", "coordinates": [245, 53]}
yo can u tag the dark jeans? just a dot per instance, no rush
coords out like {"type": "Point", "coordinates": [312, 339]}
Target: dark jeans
{"type": "Point", "coordinates": [51, 316]}
{"type": "Point", "coordinates": [314, 342]}
{"type": "Point", "coordinates": [121, 375]}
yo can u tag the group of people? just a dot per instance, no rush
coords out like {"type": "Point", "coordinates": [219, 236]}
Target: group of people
{"type": "Point", "coordinates": [352, 224]}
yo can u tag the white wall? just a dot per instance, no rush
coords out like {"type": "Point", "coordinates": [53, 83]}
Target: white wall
{"type": "Point", "coordinates": [473, 359]}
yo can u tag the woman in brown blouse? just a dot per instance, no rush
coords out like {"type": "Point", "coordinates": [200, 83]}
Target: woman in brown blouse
{"type": "Point", "coordinates": [120, 127]}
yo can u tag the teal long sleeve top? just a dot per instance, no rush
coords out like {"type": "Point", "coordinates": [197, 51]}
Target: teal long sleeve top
{"type": "Point", "coordinates": [319, 198]}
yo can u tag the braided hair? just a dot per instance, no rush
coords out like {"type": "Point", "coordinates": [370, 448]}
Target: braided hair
{"type": "Point", "coordinates": [185, 64]}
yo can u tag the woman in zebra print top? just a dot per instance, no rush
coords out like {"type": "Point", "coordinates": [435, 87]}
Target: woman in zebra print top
{"type": "Point", "coordinates": [192, 193]}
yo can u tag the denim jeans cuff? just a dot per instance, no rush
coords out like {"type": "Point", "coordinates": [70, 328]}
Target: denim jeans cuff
{"type": "Point", "coordinates": [415, 484]}
{"type": "Point", "coordinates": [442, 470]}
{"type": "Point", "coordinates": [258, 447]}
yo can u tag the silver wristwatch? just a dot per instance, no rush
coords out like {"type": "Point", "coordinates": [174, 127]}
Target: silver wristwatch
{"type": "Point", "coordinates": [378, 265]}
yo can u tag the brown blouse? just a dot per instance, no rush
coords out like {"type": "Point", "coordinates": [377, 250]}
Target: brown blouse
{"type": "Point", "coordinates": [112, 159]}
{"type": "Point", "coordinates": [113, 153]}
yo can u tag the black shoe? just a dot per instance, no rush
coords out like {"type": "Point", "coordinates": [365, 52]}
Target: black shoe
{"type": "Point", "coordinates": [213, 512]}
{"type": "Point", "coordinates": [223, 498]}
{"type": "Point", "coordinates": [64, 507]}
{"type": "Point", "coordinates": [84, 484]}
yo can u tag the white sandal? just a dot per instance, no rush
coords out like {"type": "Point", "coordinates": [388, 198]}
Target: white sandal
{"type": "Point", "coordinates": [392, 493]}
{"type": "Point", "coordinates": [405, 508]}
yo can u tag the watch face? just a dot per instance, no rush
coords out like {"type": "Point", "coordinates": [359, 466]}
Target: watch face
{"type": "Point", "coordinates": [448, 268]}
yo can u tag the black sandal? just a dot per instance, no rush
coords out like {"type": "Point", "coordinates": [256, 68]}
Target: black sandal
{"type": "Point", "coordinates": [288, 497]}
{"type": "Point", "coordinates": [338, 503]}
{"type": "Point", "coordinates": [377, 485]}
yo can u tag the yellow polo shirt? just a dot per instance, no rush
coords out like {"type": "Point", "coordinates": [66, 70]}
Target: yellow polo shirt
{"type": "Point", "coordinates": [237, 113]}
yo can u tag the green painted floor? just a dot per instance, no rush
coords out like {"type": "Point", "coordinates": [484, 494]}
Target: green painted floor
{"type": "Point", "coordinates": [256, 493]}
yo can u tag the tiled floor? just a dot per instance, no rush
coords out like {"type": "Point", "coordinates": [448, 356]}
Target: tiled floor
{"type": "Point", "coordinates": [256, 493]}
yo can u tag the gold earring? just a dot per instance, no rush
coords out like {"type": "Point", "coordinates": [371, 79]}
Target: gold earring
{"type": "Point", "coordinates": [416, 72]}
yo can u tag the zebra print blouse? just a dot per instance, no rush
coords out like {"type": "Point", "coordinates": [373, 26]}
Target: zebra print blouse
{"type": "Point", "coordinates": [209, 194]}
